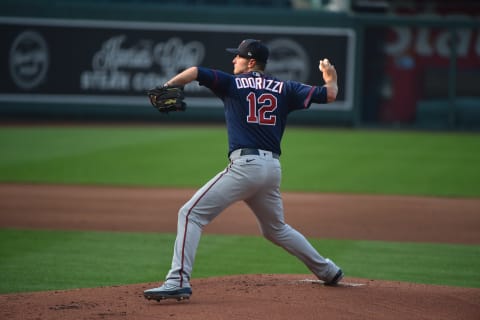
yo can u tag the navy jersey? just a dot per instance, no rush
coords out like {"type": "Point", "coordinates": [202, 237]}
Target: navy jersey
{"type": "Point", "coordinates": [257, 105]}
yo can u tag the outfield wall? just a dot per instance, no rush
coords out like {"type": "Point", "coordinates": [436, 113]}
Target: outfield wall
{"type": "Point", "coordinates": [85, 60]}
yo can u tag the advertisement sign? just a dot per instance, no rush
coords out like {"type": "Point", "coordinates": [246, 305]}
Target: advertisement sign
{"type": "Point", "coordinates": [417, 65]}
{"type": "Point", "coordinates": [115, 62]}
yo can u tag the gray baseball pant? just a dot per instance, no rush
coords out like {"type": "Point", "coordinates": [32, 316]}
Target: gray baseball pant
{"type": "Point", "coordinates": [254, 179]}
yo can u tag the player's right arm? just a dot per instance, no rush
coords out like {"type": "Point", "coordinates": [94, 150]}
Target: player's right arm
{"type": "Point", "coordinates": [330, 78]}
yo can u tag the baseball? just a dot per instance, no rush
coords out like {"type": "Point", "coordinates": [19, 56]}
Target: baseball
{"type": "Point", "coordinates": [323, 64]}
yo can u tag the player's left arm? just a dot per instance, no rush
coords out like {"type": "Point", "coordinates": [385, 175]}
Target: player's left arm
{"type": "Point", "coordinates": [330, 78]}
{"type": "Point", "coordinates": [184, 77]}
{"type": "Point", "coordinates": [215, 80]}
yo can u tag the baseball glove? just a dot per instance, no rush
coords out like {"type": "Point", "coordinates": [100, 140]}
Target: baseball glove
{"type": "Point", "coordinates": [167, 98]}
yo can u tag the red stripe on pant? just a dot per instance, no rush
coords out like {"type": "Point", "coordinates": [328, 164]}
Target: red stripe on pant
{"type": "Point", "coordinates": [186, 222]}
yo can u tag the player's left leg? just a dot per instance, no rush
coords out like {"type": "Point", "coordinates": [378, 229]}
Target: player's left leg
{"type": "Point", "coordinates": [235, 183]}
{"type": "Point", "coordinates": [217, 194]}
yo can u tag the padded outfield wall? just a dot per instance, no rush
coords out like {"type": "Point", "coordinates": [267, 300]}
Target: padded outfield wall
{"type": "Point", "coordinates": [89, 60]}
{"type": "Point", "coordinates": [95, 61]}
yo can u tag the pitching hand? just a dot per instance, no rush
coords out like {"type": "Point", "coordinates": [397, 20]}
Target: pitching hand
{"type": "Point", "coordinates": [328, 71]}
{"type": "Point", "coordinates": [330, 78]}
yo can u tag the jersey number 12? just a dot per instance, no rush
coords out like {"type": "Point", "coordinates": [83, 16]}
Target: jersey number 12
{"type": "Point", "coordinates": [260, 109]}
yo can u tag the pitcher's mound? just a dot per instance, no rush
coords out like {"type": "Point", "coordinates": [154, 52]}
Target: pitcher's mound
{"type": "Point", "coordinates": [253, 297]}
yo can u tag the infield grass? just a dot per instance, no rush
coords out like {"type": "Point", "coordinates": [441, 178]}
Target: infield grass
{"type": "Point", "coordinates": [53, 260]}
{"type": "Point", "coordinates": [343, 161]}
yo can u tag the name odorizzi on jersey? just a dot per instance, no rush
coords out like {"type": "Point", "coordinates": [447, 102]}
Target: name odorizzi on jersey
{"type": "Point", "coordinates": [259, 83]}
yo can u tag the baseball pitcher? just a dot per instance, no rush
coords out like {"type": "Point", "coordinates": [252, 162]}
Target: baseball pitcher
{"type": "Point", "coordinates": [256, 109]}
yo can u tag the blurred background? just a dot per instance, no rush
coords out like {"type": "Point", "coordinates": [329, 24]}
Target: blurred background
{"type": "Point", "coordinates": [401, 64]}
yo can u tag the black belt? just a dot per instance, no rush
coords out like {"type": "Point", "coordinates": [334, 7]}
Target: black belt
{"type": "Point", "coordinates": [255, 152]}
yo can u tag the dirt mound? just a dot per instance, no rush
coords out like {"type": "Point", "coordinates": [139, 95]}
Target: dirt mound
{"type": "Point", "coordinates": [253, 297]}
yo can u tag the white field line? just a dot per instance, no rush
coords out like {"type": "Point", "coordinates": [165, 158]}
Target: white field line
{"type": "Point", "coordinates": [347, 284]}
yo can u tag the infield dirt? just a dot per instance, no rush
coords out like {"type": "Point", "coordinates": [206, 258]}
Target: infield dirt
{"type": "Point", "coordinates": [391, 218]}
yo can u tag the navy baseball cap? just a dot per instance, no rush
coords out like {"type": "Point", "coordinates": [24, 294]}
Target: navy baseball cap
{"type": "Point", "coordinates": [251, 49]}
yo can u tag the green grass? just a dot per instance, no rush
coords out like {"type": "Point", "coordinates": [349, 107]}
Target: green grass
{"type": "Point", "coordinates": [114, 156]}
{"type": "Point", "coordinates": [386, 162]}
{"type": "Point", "coordinates": [53, 260]}
{"type": "Point", "coordinates": [343, 161]}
